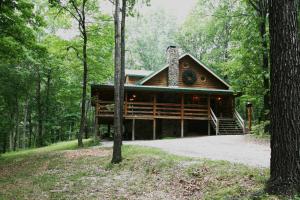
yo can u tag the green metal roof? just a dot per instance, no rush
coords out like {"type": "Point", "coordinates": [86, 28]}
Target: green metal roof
{"type": "Point", "coordinates": [163, 89]}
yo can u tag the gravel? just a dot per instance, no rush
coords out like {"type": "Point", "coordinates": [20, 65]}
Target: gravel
{"type": "Point", "coordinates": [237, 149]}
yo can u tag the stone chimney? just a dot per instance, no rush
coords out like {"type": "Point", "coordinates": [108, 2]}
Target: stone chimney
{"type": "Point", "coordinates": [173, 63]}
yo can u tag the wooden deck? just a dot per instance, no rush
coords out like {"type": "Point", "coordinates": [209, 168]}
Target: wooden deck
{"type": "Point", "coordinates": [153, 110]}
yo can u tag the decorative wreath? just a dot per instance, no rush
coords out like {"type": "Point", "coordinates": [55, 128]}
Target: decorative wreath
{"type": "Point", "coordinates": [189, 77]}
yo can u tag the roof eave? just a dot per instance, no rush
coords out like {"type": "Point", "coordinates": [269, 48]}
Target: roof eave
{"type": "Point", "coordinates": [167, 89]}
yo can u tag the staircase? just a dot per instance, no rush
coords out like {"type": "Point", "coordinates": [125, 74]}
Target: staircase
{"type": "Point", "coordinates": [229, 127]}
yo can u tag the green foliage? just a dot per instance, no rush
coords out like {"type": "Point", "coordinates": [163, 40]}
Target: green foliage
{"type": "Point", "coordinates": [224, 35]}
{"type": "Point", "coordinates": [149, 35]}
{"type": "Point", "coordinates": [32, 55]}
{"type": "Point", "coordinates": [259, 129]}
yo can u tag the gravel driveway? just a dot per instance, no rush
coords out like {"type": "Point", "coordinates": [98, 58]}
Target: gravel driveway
{"type": "Point", "coordinates": [237, 149]}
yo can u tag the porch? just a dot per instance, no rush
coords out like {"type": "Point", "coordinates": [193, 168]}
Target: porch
{"type": "Point", "coordinates": [178, 111]}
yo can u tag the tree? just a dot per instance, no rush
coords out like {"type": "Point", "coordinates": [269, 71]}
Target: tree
{"type": "Point", "coordinates": [285, 97]}
{"type": "Point", "coordinates": [78, 10]}
{"type": "Point", "coordinates": [149, 35]}
{"type": "Point", "coordinates": [117, 155]}
{"type": "Point", "coordinates": [261, 8]}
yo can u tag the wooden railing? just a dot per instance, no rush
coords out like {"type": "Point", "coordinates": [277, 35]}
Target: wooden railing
{"type": "Point", "coordinates": [215, 121]}
{"type": "Point", "coordinates": [154, 110]}
{"type": "Point", "coordinates": [240, 120]}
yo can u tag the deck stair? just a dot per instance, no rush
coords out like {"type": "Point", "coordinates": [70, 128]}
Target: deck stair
{"type": "Point", "coordinates": [229, 127]}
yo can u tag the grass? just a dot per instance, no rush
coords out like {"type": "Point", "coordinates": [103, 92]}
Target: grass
{"type": "Point", "coordinates": [69, 145]}
{"type": "Point", "coordinates": [62, 171]}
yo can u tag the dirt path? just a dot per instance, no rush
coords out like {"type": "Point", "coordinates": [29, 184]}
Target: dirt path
{"type": "Point", "coordinates": [237, 149]}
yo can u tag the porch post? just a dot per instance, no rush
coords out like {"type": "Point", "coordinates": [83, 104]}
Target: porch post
{"type": "Point", "coordinates": [133, 130]}
{"type": "Point", "coordinates": [182, 128]}
{"type": "Point", "coordinates": [126, 104]}
{"type": "Point", "coordinates": [154, 117]}
{"type": "Point", "coordinates": [209, 114]}
{"type": "Point", "coordinates": [182, 115]}
{"type": "Point", "coordinates": [154, 129]}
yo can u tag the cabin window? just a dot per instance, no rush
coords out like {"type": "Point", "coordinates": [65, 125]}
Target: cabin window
{"type": "Point", "coordinates": [203, 78]}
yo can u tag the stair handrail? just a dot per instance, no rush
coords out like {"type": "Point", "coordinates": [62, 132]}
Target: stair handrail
{"type": "Point", "coordinates": [240, 121]}
{"type": "Point", "coordinates": [215, 120]}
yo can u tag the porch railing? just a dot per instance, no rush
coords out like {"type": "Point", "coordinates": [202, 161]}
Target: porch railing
{"type": "Point", "coordinates": [240, 120]}
{"type": "Point", "coordinates": [154, 110]}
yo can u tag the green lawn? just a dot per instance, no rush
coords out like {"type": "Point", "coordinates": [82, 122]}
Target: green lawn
{"type": "Point", "coordinates": [61, 171]}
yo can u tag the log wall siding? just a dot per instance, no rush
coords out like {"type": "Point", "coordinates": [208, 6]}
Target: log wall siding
{"type": "Point", "coordinates": [210, 80]}
{"type": "Point", "coordinates": [161, 79]}
{"type": "Point", "coordinates": [132, 79]}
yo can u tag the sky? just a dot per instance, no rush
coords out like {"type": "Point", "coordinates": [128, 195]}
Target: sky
{"type": "Point", "coordinates": [178, 8]}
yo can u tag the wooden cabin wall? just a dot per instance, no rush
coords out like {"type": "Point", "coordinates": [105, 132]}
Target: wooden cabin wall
{"type": "Point", "coordinates": [161, 79]}
{"type": "Point", "coordinates": [133, 79]}
{"type": "Point", "coordinates": [210, 81]}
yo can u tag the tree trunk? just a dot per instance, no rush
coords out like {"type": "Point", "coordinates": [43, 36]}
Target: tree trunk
{"type": "Point", "coordinates": [265, 59]}
{"type": "Point", "coordinates": [16, 129]}
{"type": "Point", "coordinates": [39, 110]}
{"type": "Point", "coordinates": [29, 129]}
{"type": "Point", "coordinates": [285, 98]}
{"type": "Point", "coordinates": [86, 126]}
{"type": "Point", "coordinates": [47, 102]}
{"type": "Point", "coordinates": [261, 7]}
{"type": "Point", "coordinates": [122, 79]}
{"type": "Point", "coordinates": [117, 155]}
{"type": "Point", "coordinates": [85, 72]}
{"type": "Point", "coordinates": [25, 122]}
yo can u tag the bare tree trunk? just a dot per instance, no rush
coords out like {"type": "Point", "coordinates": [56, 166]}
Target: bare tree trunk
{"type": "Point", "coordinates": [285, 98]}
{"type": "Point", "coordinates": [25, 122]}
{"type": "Point", "coordinates": [117, 155]}
{"type": "Point", "coordinates": [122, 79]}
{"type": "Point", "coordinates": [86, 126]}
{"type": "Point", "coordinates": [261, 7]}
{"type": "Point", "coordinates": [47, 102]}
{"type": "Point", "coordinates": [85, 72]}
{"type": "Point", "coordinates": [39, 110]}
{"type": "Point", "coordinates": [16, 129]}
{"type": "Point", "coordinates": [29, 129]}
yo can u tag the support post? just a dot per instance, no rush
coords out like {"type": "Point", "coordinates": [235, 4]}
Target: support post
{"type": "Point", "coordinates": [133, 129]}
{"type": "Point", "coordinates": [154, 129]}
{"type": "Point", "coordinates": [126, 104]}
{"type": "Point", "coordinates": [182, 128]}
{"type": "Point", "coordinates": [249, 111]}
{"type": "Point", "coordinates": [208, 115]}
{"type": "Point", "coordinates": [208, 127]}
{"type": "Point", "coordinates": [182, 115]}
{"type": "Point", "coordinates": [217, 127]}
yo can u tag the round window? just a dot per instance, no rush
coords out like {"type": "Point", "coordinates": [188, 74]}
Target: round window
{"type": "Point", "coordinates": [203, 78]}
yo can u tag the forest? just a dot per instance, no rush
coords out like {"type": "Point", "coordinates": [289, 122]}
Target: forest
{"type": "Point", "coordinates": [52, 52]}
{"type": "Point", "coordinates": [41, 60]}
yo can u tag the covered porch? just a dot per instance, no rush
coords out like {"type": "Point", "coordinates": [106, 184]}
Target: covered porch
{"type": "Point", "coordinates": [167, 112]}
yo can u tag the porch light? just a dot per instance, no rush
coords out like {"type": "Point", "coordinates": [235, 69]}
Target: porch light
{"type": "Point", "coordinates": [132, 97]}
{"type": "Point", "coordinates": [195, 98]}
{"type": "Point", "coordinates": [219, 98]}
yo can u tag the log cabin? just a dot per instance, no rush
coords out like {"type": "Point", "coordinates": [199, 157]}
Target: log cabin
{"type": "Point", "coordinates": [184, 98]}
